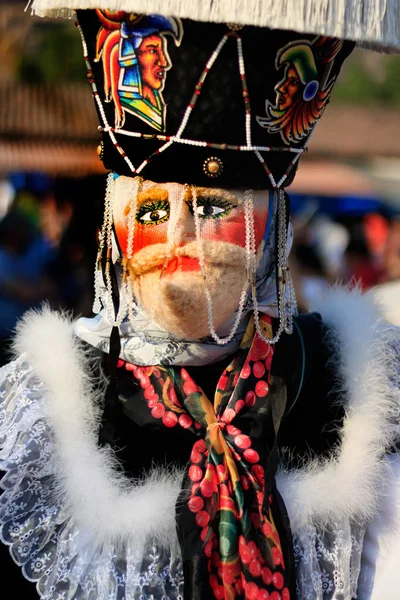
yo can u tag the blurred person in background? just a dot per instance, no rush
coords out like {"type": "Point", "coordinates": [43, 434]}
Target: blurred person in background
{"type": "Point", "coordinates": [388, 292]}
{"type": "Point", "coordinates": [24, 255]}
{"type": "Point", "coordinates": [72, 267]}
{"type": "Point", "coordinates": [360, 266]}
{"type": "Point", "coordinates": [311, 275]}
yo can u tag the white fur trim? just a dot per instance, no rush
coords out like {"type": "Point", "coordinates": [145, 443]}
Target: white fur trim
{"type": "Point", "coordinates": [380, 573]}
{"type": "Point", "coordinates": [371, 21]}
{"type": "Point", "coordinates": [348, 484]}
{"type": "Point", "coordinates": [106, 504]}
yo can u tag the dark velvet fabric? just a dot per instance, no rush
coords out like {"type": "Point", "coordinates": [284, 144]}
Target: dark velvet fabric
{"type": "Point", "coordinates": [219, 113]}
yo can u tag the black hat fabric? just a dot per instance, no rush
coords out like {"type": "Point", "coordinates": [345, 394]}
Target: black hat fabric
{"type": "Point", "coordinates": [205, 103]}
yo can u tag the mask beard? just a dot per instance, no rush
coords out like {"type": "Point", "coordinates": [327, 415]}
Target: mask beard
{"type": "Point", "coordinates": [177, 300]}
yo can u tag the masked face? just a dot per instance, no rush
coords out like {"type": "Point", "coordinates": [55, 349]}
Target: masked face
{"type": "Point", "coordinates": [165, 267]}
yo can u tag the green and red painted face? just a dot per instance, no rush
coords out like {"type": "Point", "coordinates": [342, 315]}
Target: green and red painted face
{"type": "Point", "coordinates": [165, 215]}
{"type": "Point", "coordinates": [164, 236]}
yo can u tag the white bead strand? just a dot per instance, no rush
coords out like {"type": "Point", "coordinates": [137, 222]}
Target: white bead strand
{"type": "Point", "coordinates": [248, 205]}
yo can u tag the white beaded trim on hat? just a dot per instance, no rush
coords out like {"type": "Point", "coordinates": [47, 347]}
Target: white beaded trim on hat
{"type": "Point", "coordinates": [177, 138]}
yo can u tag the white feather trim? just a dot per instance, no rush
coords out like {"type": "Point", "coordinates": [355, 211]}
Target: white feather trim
{"type": "Point", "coordinates": [102, 501]}
{"type": "Point", "coordinates": [370, 21]}
{"type": "Point", "coordinates": [348, 484]}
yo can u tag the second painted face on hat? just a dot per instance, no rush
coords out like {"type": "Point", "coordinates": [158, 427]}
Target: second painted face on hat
{"type": "Point", "coordinates": [165, 266]}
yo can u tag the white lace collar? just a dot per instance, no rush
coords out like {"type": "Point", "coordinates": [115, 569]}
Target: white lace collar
{"type": "Point", "coordinates": [103, 502]}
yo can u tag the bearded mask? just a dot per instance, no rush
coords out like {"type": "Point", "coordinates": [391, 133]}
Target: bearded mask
{"type": "Point", "coordinates": [186, 250]}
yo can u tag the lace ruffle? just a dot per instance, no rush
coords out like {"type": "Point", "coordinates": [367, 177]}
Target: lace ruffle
{"type": "Point", "coordinates": [50, 548]}
{"type": "Point", "coordinates": [328, 561]}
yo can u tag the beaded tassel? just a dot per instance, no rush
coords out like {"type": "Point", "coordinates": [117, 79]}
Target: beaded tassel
{"type": "Point", "coordinates": [105, 245]}
{"type": "Point", "coordinates": [98, 278]}
{"type": "Point", "coordinates": [286, 309]}
{"type": "Point", "coordinates": [126, 280]}
{"type": "Point", "coordinates": [250, 267]}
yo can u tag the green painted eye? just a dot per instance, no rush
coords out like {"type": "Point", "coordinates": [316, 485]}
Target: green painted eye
{"type": "Point", "coordinates": [211, 207]}
{"type": "Point", "coordinates": [153, 213]}
{"type": "Point", "coordinates": [207, 210]}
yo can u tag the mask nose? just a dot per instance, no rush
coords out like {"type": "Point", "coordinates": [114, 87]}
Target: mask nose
{"type": "Point", "coordinates": [181, 228]}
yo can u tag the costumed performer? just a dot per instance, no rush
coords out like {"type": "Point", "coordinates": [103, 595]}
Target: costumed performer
{"type": "Point", "coordinates": [197, 438]}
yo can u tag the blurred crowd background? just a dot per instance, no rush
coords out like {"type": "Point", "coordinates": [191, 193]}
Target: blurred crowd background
{"type": "Point", "coordinates": [345, 198]}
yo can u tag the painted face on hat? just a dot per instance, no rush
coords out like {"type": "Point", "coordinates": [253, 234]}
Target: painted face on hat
{"type": "Point", "coordinates": [165, 266]}
{"type": "Point", "coordinates": [289, 90]}
{"type": "Point", "coordinates": [153, 64]}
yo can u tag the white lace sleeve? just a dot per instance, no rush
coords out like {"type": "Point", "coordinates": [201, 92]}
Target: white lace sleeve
{"type": "Point", "coordinates": [50, 548]}
{"type": "Point", "coordinates": [328, 561]}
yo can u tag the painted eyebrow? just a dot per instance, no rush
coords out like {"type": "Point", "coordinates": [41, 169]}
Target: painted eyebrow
{"type": "Point", "coordinates": [154, 193]}
{"type": "Point", "coordinates": [214, 193]}
{"type": "Point", "coordinates": [151, 195]}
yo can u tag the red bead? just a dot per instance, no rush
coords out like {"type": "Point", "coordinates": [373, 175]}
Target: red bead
{"type": "Point", "coordinates": [262, 389]}
{"type": "Point", "coordinates": [251, 455]}
{"type": "Point", "coordinates": [195, 504]}
{"type": "Point", "coordinates": [195, 456]}
{"type": "Point", "coordinates": [169, 419]}
{"type": "Point", "coordinates": [251, 591]}
{"type": "Point", "coordinates": [258, 369]}
{"type": "Point", "coordinates": [266, 576]}
{"type": "Point", "coordinates": [246, 370]}
{"type": "Point", "coordinates": [255, 568]}
{"type": "Point", "coordinates": [200, 445]}
{"type": "Point", "coordinates": [195, 473]}
{"type": "Point", "coordinates": [219, 592]}
{"type": "Point", "coordinates": [229, 415]}
{"type": "Point", "coordinates": [258, 472]}
{"type": "Point", "coordinates": [245, 482]}
{"type": "Point", "coordinates": [242, 441]}
{"type": "Point", "coordinates": [278, 580]}
{"type": "Point", "coordinates": [277, 556]}
{"type": "Point", "coordinates": [250, 399]}
{"type": "Point", "coordinates": [232, 430]}
{"type": "Point", "coordinates": [239, 405]}
{"type": "Point", "coordinates": [158, 411]}
{"type": "Point", "coordinates": [202, 518]}
{"type": "Point", "coordinates": [245, 554]}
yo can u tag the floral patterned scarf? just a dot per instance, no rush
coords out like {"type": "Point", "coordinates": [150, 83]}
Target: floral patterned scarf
{"type": "Point", "coordinates": [229, 542]}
